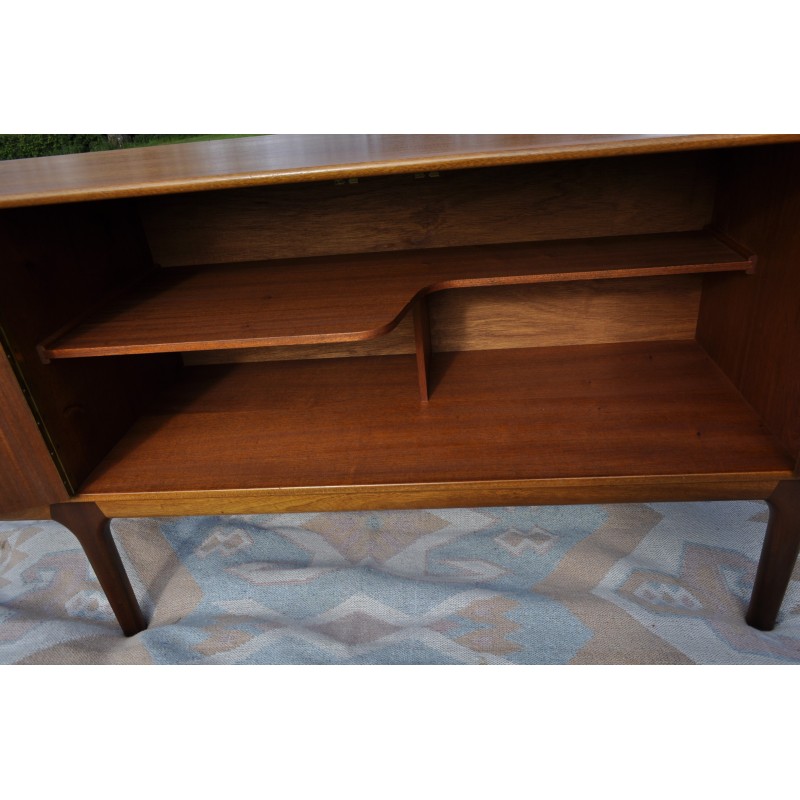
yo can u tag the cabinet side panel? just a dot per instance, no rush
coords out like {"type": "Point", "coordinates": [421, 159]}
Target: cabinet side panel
{"type": "Point", "coordinates": [607, 197]}
{"type": "Point", "coordinates": [56, 263]}
{"type": "Point", "coordinates": [750, 324]}
{"type": "Point", "coordinates": [28, 477]}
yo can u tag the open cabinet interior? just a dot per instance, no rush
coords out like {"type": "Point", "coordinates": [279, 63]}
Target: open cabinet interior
{"type": "Point", "coordinates": [611, 319]}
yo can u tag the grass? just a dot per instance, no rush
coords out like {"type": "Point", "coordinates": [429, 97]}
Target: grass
{"type": "Point", "coordinates": [14, 146]}
{"type": "Point", "coordinates": [146, 140]}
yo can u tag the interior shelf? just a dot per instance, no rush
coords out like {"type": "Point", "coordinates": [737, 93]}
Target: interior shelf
{"type": "Point", "coordinates": [633, 409]}
{"type": "Point", "coordinates": [349, 298]}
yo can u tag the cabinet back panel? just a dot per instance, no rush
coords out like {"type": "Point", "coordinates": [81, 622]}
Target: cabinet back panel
{"type": "Point", "coordinates": [577, 199]}
{"type": "Point", "coordinates": [499, 317]}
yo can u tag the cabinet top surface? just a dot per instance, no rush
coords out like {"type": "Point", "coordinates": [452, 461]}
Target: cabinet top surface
{"type": "Point", "coordinates": [282, 158]}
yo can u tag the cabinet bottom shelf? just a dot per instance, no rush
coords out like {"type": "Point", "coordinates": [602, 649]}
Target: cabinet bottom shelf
{"type": "Point", "coordinates": [563, 416]}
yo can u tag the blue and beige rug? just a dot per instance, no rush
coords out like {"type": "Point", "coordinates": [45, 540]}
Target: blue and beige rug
{"type": "Point", "coordinates": [665, 583]}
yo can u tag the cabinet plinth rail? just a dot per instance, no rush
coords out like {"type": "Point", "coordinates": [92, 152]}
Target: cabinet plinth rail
{"type": "Point", "coordinates": [351, 298]}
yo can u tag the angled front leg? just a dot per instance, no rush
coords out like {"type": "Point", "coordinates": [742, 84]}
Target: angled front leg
{"type": "Point", "coordinates": [92, 529]}
{"type": "Point", "coordinates": [778, 556]}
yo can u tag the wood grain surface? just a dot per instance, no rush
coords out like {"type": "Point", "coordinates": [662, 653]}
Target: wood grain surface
{"type": "Point", "coordinates": [751, 324]}
{"type": "Point", "coordinates": [422, 346]}
{"type": "Point", "coordinates": [600, 411]}
{"type": "Point", "coordinates": [554, 314]}
{"type": "Point", "coordinates": [348, 298]}
{"type": "Point", "coordinates": [56, 263]}
{"type": "Point", "coordinates": [288, 158]}
{"type": "Point", "coordinates": [28, 476]}
{"type": "Point", "coordinates": [778, 556]}
{"type": "Point", "coordinates": [399, 341]}
{"type": "Point", "coordinates": [454, 494]}
{"type": "Point", "coordinates": [92, 529]}
{"type": "Point", "coordinates": [568, 200]}
{"type": "Point", "coordinates": [500, 317]}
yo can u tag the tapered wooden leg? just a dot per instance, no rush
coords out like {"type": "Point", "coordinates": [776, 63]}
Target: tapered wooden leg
{"type": "Point", "coordinates": [422, 338]}
{"type": "Point", "coordinates": [778, 556]}
{"type": "Point", "coordinates": [92, 529]}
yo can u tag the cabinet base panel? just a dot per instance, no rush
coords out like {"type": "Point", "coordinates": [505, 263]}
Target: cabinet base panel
{"type": "Point", "coordinates": [637, 412]}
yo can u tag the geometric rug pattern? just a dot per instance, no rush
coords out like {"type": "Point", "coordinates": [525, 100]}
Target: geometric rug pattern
{"type": "Point", "coordinates": [662, 583]}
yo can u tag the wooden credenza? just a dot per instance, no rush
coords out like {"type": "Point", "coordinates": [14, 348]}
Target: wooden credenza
{"type": "Point", "coordinates": [291, 323]}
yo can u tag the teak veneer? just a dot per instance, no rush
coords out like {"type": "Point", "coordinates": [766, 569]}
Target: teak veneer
{"type": "Point", "coordinates": [602, 411]}
{"type": "Point", "coordinates": [405, 321]}
{"type": "Point", "coordinates": [350, 298]}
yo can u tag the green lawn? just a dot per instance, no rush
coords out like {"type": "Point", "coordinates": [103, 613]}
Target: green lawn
{"type": "Point", "coordinates": [148, 140]}
{"type": "Point", "coordinates": [33, 145]}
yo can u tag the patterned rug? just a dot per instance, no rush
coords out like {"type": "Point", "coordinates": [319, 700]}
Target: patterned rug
{"type": "Point", "coordinates": [665, 583]}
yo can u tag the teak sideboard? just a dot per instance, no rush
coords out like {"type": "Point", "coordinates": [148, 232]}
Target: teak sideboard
{"type": "Point", "coordinates": [287, 323]}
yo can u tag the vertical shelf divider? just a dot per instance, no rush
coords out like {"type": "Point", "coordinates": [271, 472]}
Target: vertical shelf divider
{"type": "Point", "coordinates": [422, 340]}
